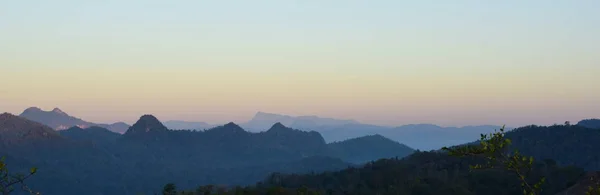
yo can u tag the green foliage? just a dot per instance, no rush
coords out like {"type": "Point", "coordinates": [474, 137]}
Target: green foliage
{"type": "Point", "coordinates": [9, 181]}
{"type": "Point", "coordinates": [169, 189]}
{"type": "Point", "coordinates": [593, 190]}
{"type": "Point", "coordinates": [494, 148]}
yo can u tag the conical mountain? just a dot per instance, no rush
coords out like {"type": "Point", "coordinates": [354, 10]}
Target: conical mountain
{"type": "Point", "coordinates": [229, 128]}
{"type": "Point", "coordinates": [146, 124]}
{"type": "Point", "coordinates": [278, 127]}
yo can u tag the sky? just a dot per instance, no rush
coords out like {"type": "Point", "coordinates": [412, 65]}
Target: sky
{"type": "Point", "coordinates": [386, 62]}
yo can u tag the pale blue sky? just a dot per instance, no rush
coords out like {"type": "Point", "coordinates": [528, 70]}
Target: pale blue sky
{"type": "Point", "coordinates": [378, 61]}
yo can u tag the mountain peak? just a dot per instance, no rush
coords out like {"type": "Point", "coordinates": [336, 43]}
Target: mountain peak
{"type": "Point", "coordinates": [148, 118]}
{"type": "Point", "coordinates": [264, 115]}
{"type": "Point", "coordinates": [146, 123]}
{"type": "Point", "coordinates": [229, 127]}
{"type": "Point", "coordinates": [32, 109]}
{"type": "Point", "coordinates": [232, 124]}
{"type": "Point", "coordinates": [58, 111]}
{"type": "Point", "coordinates": [278, 125]}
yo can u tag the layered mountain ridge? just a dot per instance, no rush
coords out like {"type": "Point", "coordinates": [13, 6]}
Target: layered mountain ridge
{"type": "Point", "coordinates": [60, 120]}
{"type": "Point", "coordinates": [227, 154]}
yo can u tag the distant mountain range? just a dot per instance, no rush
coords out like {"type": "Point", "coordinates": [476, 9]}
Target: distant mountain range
{"type": "Point", "coordinates": [187, 125]}
{"type": "Point", "coordinates": [422, 136]}
{"type": "Point", "coordinates": [59, 120]}
{"type": "Point", "coordinates": [419, 136]}
{"type": "Point", "coordinates": [262, 121]}
{"type": "Point", "coordinates": [564, 155]}
{"type": "Point", "coordinates": [148, 154]}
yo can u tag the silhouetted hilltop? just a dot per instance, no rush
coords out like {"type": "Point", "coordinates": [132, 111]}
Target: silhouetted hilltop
{"type": "Point", "coordinates": [590, 123]}
{"type": "Point", "coordinates": [365, 149]}
{"type": "Point", "coordinates": [146, 124]}
{"type": "Point", "coordinates": [229, 129]}
{"type": "Point", "coordinates": [301, 142]}
{"type": "Point", "coordinates": [92, 134]}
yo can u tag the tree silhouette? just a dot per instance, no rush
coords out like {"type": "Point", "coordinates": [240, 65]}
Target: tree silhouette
{"type": "Point", "coordinates": [9, 181]}
{"type": "Point", "coordinates": [170, 189]}
{"type": "Point", "coordinates": [494, 148]}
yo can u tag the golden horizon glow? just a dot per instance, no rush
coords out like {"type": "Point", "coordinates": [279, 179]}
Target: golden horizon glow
{"type": "Point", "coordinates": [388, 63]}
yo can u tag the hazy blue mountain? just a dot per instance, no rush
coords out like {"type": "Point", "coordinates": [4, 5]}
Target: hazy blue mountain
{"type": "Point", "coordinates": [590, 123]}
{"type": "Point", "coordinates": [433, 137]}
{"type": "Point", "coordinates": [262, 121]}
{"type": "Point", "coordinates": [364, 149]}
{"type": "Point", "coordinates": [420, 136]}
{"type": "Point", "coordinates": [349, 131]}
{"type": "Point", "coordinates": [562, 153]}
{"type": "Point", "coordinates": [59, 120]}
{"type": "Point", "coordinates": [118, 127]}
{"type": "Point", "coordinates": [187, 125]}
{"type": "Point", "coordinates": [417, 136]}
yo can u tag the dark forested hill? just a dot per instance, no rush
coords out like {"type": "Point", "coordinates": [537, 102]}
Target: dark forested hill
{"type": "Point", "coordinates": [423, 173]}
{"type": "Point", "coordinates": [590, 123]}
{"type": "Point", "coordinates": [566, 144]}
{"type": "Point", "coordinates": [92, 134]}
{"type": "Point", "coordinates": [364, 149]}
{"type": "Point", "coordinates": [562, 153]}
